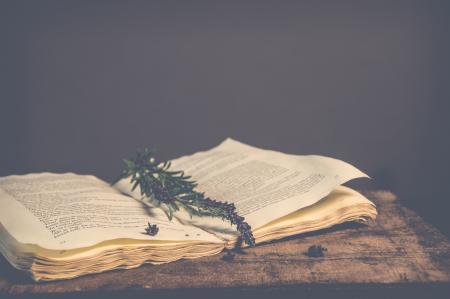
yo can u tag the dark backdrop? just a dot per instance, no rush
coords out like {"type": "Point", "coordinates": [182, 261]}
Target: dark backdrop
{"type": "Point", "coordinates": [85, 83]}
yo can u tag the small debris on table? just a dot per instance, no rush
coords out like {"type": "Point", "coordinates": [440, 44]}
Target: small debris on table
{"type": "Point", "coordinates": [316, 251]}
{"type": "Point", "coordinates": [228, 256]}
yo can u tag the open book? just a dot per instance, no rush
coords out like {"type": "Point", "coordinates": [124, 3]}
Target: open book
{"type": "Point", "coordinates": [59, 226]}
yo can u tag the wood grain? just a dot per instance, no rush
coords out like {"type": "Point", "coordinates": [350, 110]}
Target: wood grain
{"type": "Point", "coordinates": [400, 249]}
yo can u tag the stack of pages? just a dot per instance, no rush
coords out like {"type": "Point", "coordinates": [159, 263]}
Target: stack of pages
{"type": "Point", "coordinates": [60, 226]}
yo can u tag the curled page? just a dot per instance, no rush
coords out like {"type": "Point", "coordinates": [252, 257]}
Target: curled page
{"type": "Point", "coordinates": [263, 184]}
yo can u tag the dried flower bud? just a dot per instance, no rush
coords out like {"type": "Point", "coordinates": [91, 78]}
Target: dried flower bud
{"type": "Point", "coordinates": [152, 230]}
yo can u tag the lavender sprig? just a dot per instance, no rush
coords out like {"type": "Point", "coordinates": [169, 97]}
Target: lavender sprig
{"type": "Point", "coordinates": [174, 190]}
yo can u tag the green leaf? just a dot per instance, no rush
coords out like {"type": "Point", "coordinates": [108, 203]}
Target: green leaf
{"type": "Point", "coordinates": [135, 185]}
{"type": "Point", "coordinates": [170, 212]}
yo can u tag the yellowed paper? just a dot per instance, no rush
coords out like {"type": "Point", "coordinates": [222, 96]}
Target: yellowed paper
{"type": "Point", "coordinates": [65, 211]}
{"type": "Point", "coordinates": [264, 185]}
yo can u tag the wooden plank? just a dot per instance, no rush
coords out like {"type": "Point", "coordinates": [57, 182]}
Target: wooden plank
{"type": "Point", "coordinates": [398, 250]}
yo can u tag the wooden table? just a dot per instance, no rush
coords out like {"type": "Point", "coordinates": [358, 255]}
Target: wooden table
{"type": "Point", "coordinates": [398, 255]}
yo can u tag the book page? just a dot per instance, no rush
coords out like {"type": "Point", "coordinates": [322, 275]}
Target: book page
{"type": "Point", "coordinates": [65, 211]}
{"type": "Point", "coordinates": [264, 185]}
{"type": "Point", "coordinates": [341, 204]}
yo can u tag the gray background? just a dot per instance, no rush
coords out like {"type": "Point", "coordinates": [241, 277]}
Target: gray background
{"type": "Point", "coordinates": [85, 83]}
